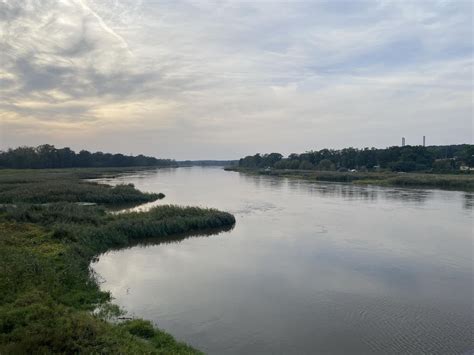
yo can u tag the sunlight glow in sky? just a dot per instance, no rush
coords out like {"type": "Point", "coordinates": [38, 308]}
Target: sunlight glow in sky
{"type": "Point", "coordinates": [223, 79]}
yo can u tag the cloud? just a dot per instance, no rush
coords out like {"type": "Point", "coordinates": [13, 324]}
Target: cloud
{"type": "Point", "coordinates": [57, 56]}
{"type": "Point", "coordinates": [223, 79]}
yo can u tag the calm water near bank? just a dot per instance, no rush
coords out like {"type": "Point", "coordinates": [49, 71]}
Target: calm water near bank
{"type": "Point", "coordinates": [309, 267]}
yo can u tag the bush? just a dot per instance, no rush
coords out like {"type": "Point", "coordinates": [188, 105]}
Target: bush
{"type": "Point", "coordinates": [139, 327]}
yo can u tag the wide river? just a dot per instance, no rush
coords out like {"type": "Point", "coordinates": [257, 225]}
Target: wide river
{"type": "Point", "coordinates": [308, 268]}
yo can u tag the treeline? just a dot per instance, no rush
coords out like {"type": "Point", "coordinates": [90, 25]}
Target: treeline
{"type": "Point", "coordinates": [48, 156]}
{"type": "Point", "coordinates": [447, 158]}
{"type": "Point", "coordinates": [208, 163]}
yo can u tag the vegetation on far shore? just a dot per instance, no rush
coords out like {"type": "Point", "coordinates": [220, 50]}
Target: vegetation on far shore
{"type": "Point", "coordinates": [437, 159]}
{"type": "Point", "coordinates": [50, 302]}
{"type": "Point", "coordinates": [448, 167]}
{"type": "Point", "coordinates": [464, 182]}
{"type": "Point", "coordinates": [47, 156]}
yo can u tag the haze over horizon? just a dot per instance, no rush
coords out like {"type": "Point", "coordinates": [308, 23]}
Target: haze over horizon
{"type": "Point", "coordinates": [220, 80]}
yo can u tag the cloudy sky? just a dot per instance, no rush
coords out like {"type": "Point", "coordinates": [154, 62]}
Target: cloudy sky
{"type": "Point", "coordinates": [223, 79]}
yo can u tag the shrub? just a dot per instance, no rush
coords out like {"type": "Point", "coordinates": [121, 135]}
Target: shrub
{"type": "Point", "coordinates": [139, 327]}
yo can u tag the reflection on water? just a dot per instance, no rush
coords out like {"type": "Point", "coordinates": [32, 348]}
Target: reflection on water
{"type": "Point", "coordinates": [468, 201]}
{"type": "Point", "coordinates": [309, 267]}
{"type": "Point", "coordinates": [174, 239]}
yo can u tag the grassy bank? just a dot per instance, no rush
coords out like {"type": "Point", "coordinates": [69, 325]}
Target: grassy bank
{"type": "Point", "coordinates": [59, 185]}
{"type": "Point", "coordinates": [48, 296]}
{"type": "Point", "coordinates": [464, 182]}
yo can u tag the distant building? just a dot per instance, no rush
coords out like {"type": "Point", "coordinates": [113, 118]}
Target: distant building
{"type": "Point", "coordinates": [424, 141]}
{"type": "Point", "coordinates": [403, 141]}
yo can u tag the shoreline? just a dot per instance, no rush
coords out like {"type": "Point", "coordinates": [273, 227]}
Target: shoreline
{"type": "Point", "coordinates": [461, 182]}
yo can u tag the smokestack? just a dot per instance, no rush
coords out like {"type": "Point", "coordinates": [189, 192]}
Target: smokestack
{"type": "Point", "coordinates": [403, 141]}
{"type": "Point", "coordinates": [424, 141]}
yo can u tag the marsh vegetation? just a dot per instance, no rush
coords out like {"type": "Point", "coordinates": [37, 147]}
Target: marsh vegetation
{"type": "Point", "coordinates": [47, 241]}
{"type": "Point", "coordinates": [464, 182]}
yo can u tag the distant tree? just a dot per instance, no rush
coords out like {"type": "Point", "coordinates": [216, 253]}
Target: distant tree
{"type": "Point", "coordinates": [407, 158]}
{"type": "Point", "coordinates": [84, 159]}
{"type": "Point", "coordinates": [306, 165]}
{"type": "Point", "coordinates": [47, 156]}
{"type": "Point", "coordinates": [271, 159]}
{"type": "Point", "coordinates": [444, 165]}
{"type": "Point", "coordinates": [326, 165]}
{"type": "Point", "coordinates": [65, 157]}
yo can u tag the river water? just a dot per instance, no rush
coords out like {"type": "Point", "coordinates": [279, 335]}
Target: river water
{"type": "Point", "coordinates": [308, 268]}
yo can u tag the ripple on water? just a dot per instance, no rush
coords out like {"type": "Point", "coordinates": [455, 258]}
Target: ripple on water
{"type": "Point", "coordinates": [388, 326]}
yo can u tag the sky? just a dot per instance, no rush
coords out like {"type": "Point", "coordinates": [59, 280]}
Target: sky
{"type": "Point", "coordinates": [224, 79]}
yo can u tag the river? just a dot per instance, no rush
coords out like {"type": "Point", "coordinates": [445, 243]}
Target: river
{"type": "Point", "coordinates": [309, 267]}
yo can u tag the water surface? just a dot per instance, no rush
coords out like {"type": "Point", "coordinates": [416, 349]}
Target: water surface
{"type": "Point", "coordinates": [309, 267]}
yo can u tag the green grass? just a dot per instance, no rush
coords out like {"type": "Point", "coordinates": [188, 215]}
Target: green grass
{"type": "Point", "coordinates": [463, 182]}
{"type": "Point", "coordinates": [56, 185]}
{"type": "Point", "coordinates": [454, 182]}
{"type": "Point", "coordinates": [49, 299]}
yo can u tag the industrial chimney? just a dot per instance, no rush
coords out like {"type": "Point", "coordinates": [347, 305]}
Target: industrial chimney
{"type": "Point", "coordinates": [424, 141]}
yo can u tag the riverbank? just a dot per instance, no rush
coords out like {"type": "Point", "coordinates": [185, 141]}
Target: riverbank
{"type": "Point", "coordinates": [50, 302]}
{"type": "Point", "coordinates": [464, 182]}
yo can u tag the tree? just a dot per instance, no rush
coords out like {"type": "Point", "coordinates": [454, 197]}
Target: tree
{"type": "Point", "coordinates": [326, 165]}
{"type": "Point", "coordinates": [47, 156]}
